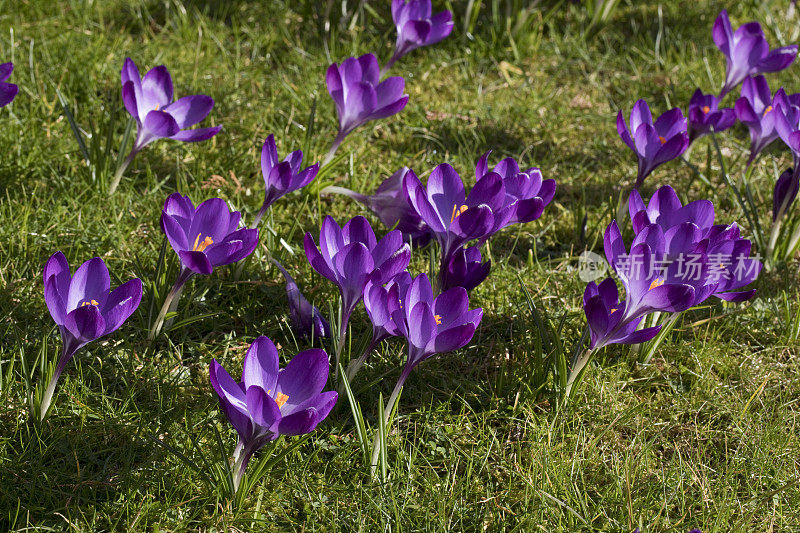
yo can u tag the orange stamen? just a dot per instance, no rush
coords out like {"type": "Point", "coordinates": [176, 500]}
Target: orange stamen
{"type": "Point", "coordinates": [706, 109]}
{"type": "Point", "coordinates": [200, 246]}
{"type": "Point", "coordinates": [656, 283]}
{"type": "Point", "coordinates": [662, 139]}
{"type": "Point", "coordinates": [768, 109]}
{"type": "Point", "coordinates": [438, 319]}
{"type": "Point", "coordinates": [91, 302]}
{"type": "Point", "coordinates": [457, 211]}
{"type": "Point", "coordinates": [280, 399]}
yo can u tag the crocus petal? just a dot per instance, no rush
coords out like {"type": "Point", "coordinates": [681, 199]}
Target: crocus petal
{"type": "Point", "coordinates": [262, 407]}
{"type": "Point", "coordinates": [197, 134]}
{"type": "Point", "coordinates": [261, 365]}
{"type": "Point", "coordinates": [303, 377]}
{"type": "Point", "coordinates": [121, 304]}
{"type": "Point", "coordinates": [160, 124]}
{"type": "Point", "coordinates": [190, 110]}
{"type": "Point", "coordinates": [226, 388]}
{"type": "Point", "coordinates": [85, 323]}
{"type": "Point", "coordinates": [90, 282]}
{"type": "Point", "coordinates": [196, 262]}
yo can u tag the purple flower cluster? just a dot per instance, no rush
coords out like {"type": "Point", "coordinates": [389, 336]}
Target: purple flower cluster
{"type": "Point", "coordinates": [677, 259]}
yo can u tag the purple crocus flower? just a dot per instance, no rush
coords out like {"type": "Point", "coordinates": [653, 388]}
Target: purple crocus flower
{"type": "Point", "coordinates": [706, 116]}
{"type": "Point", "coordinates": [281, 177]}
{"type": "Point", "coordinates": [8, 91]}
{"type": "Point", "coordinates": [307, 319]}
{"type": "Point", "coordinates": [391, 206]}
{"type": "Point", "coordinates": [351, 256]}
{"type": "Point", "coordinates": [454, 217]}
{"type": "Point", "coordinates": [747, 52]}
{"type": "Point", "coordinates": [84, 308]}
{"type": "Point", "coordinates": [149, 101]}
{"type": "Point", "coordinates": [465, 269]}
{"type": "Point", "coordinates": [756, 109]}
{"type": "Point", "coordinates": [417, 27]}
{"type": "Point", "coordinates": [432, 325]}
{"type": "Point", "coordinates": [602, 307]}
{"type": "Point", "coordinates": [269, 402]}
{"type": "Point", "coordinates": [653, 143]}
{"type": "Point", "coordinates": [380, 301]}
{"type": "Point", "coordinates": [714, 259]}
{"type": "Point", "coordinates": [784, 194]}
{"type": "Point", "coordinates": [204, 238]}
{"type": "Point", "coordinates": [359, 95]}
{"type": "Point", "coordinates": [526, 194]}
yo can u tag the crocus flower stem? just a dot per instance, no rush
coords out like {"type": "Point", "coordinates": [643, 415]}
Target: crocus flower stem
{"type": "Point", "coordinates": [356, 364]}
{"type": "Point", "coordinates": [170, 302]}
{"type": "Point", "coordinates": [44, 407]}
{"type": "Point", "coordinates": [576, 371]}
{"type": "Point", "coordinates": [335, 146]}
{"type": "Point", "coordinates": [389, 64]}
{"type": "Point", "coordinates": [387, 414]}
{"type": "Point", "coordinates": [755, 225]}
{"type": "Point", "coordinates": [120, 171]}
{"type": "Point", "coordinates": [340, 343]}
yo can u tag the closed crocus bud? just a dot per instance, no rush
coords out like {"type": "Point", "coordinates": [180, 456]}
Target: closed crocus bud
{"type": "Point", "coordinates": [307, 319]}
{"type": "Point", "coordinates": [785, 193]}
{"type": "Point", "coordinates": [465, 269]}
{"type": "Point", "coordinates": [390, 205]}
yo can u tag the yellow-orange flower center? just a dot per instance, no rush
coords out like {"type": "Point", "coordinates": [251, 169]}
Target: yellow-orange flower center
{"type": "Point", "coordinates": [768, 109]}
{"type": "Point", "coordinates": [656, 283]}
{"type": "Point", "coordinates": [280, 399]}
{"type": "Point", "coordinates": [706, 109]}
{"type": "Point", "coordinates": [457, 211]}
{"type": "Point", "coordinates": [662, 139]}
{"type": "Point", "coordinates": [438, 319]}
{"type": "Point", "coordinates": [90, 302]}
{"type": "Point", "coordinates": [200, 246]}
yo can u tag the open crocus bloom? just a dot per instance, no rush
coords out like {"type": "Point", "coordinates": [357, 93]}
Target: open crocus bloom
{"type": "Point", "coordinates": [84, 307]}
{"type": "Point", "coordinates": [149, 101]}
{"type": "Point", "coordinates": [747, 52]}
{"type": "Point", "coordinates": [269, 402]}
{"type": "Point", "coordinates": [526, 193]}
{"type": "Point", "coordinates": [359, 94]}
{"type": "Point", "coordinates": [654, 143]}
{"type": "Point", "coordinates": [705, 115]}
{"type": "Point", "coordinates": [453, 216]}
{"type": "Point", "coordinates": [8, 91]}
{"type": "Point", "coordinates": [351, 256]}
{"type": "Point", "coordinates": [756, 108]}
{"type": "Point", "coordinates": [432, 325]}
{"type": "Point", "coordinates": [282, 177]}
{"type": "Point", "coordinates": [417, 27]}
{"type": "Point", "coordinates": [207, 236]}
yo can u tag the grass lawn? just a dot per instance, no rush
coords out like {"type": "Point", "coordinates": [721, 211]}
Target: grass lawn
{"type": "Point", "coordinates": [704, 436]}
